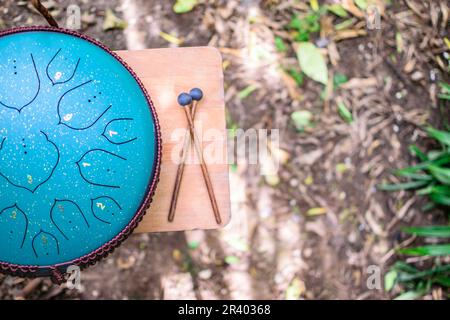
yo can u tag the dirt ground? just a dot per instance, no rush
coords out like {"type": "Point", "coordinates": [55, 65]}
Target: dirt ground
{"type": "Point", "coordinates": [274, 248]}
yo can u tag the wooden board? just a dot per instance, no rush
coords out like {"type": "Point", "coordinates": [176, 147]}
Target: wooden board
{"type": "Point", "coordinates": [165, 73]}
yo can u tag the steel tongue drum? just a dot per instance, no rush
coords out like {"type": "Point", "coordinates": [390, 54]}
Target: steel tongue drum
{"type": "Point", "coordinates": [80, 151]}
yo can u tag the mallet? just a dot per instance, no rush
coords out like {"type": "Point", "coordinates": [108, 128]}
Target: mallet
{"type": "Point", "coordinates": [184, 100]}
{"type": "Point", "coordinates": [196, 95]}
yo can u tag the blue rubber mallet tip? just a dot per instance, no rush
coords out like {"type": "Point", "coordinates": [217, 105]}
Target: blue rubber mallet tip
{"type": "Point", "coordinates": [196, 94]}
{"type": "Point", "coordinates": [184, 99]}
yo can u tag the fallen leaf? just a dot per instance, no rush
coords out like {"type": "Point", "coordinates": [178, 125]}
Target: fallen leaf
{"type": "Point", "coordinates": [349, 5]}
{"type": "Point", "coordinates": [314, 5]}
{"type": "Point", "coordinates": [312, 62]}
{"type": "Point", "coordinates": [170, 38]}
{"type": "Point", "coordinates": [316, 211]}
{"type": "Point", "coordinates": [358, 83]}
{"type": "Point", "coordinates": [272, 180]}
{"type": "Point", "coordinates": [343, 111]}
{"type": "Point", "coordinates": [113, 22]}
{"type": "Point", "coordinates": [362, 4]}
{"type": "Point", "coordinates": [349, 34]}
{"type": "Point", "coordinates": [338, 10]}
{"type": "Point", "coordinates": [389, 280]}
{"type": "Point", "coordinates": [177, 255]}
{"type": "Point", "coordinates": [295, 290]}
{"type": "Point", "coordinates": [309, 180]}
{"type": "Point", "coordinates": [127, 263]}
{"type": "Point", "coordinates": [232, 260]}
{"type": "Point", "coordinates": [183, 6]}
{"type": "Point", "coordinates": [246, 92]}
{"type": "Point", "coordinates": [302, 119]}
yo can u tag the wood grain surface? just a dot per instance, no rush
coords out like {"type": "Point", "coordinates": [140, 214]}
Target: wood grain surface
{"type": "Point", "coordinates": [165, 73]}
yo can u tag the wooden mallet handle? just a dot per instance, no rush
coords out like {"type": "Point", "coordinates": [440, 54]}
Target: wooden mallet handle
{"type": "Point", "coordinates": [45, 13]}
{"type": "Point", "coordinates": [180, 170]}
{"type": "Point", "coordinates": [203, 166]}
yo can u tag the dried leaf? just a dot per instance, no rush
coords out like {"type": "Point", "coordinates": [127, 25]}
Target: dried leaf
{"type": "Point", "coordinates": [316, 211]}
{"type": "Point", "coordinates": [358, 83]}
{"type": "Point", "coordinates": [170, 38]}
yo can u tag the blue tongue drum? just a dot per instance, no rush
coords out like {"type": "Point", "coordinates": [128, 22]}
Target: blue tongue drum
{"type": "Point", "coordinates": [78, 147]}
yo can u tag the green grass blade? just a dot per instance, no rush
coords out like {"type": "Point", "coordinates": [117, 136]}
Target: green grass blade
{"type": "Point", "coordinates": [432, 250]}
{"type": "Point", "coordinates": [437, 271]}
{"type": "Point", "coordinates": [444, 96]}
{"type": "Point", "coordinates": [440, 198]}
{"type": "Point", "coordinates": [415, 150]}
{"type": "Point", "coordinates": [442, 174]}
{"type": "Point", "coordinates": [445, 159]}
{"type": "Point", "coordinates": [445, 87]}
{"type": "Point", "coordinates": [441, 136]}
{"type": "Point", "coordinates": [443, 281]}
{"type": "Point", "coordinates": [402, 186]}
{"type": "Point", "coordinates": [431, 231]}
{"type": "Point", "coordinates": [413, 175]}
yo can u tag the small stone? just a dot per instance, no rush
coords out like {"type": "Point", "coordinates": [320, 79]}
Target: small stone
{"type": "Point", "coordinates": [205, 274]}
{"type": "Point", "coordinates": [293, 183]}
{"type": "Point", "coordinates": [417, 76]}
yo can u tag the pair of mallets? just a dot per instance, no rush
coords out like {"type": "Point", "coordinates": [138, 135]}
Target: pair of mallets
{"type": "Point", "coordinates": [189, 102]}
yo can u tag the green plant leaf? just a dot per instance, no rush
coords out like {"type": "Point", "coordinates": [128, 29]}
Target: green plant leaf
{"type": "Point", "coordinates": [421, 275]}
{"type": "Point", "coordinates": [302, 119]}
{"type": "Point", "coordinates": [390, 279]}
{"type": "Point", "coordinates": [404, 267]}
{"type": "Point", "coordinates": [312, 62]}
{"type": "Point", "coordinates": [431, 231]}
{"type": "Point", "coordinates": [362, 4]}
{"type": "Point", "coordinates": [295, 289]}
{"type": "Point", "coordinates": [345, 24]}
{"type": "Point", "coordinates": [410, 295]}
{"type": "Point", "coordinates": [417, 152]}
{"type": "Point", "coordinates": [440, 198]}
{"type": "Point", "coordinates": [442, 136]}
{"type": "Point", "coordinates": [246, 92]}
{"type": "Point", "coordinates": [445, 159]}
{"type": "Point", "coordinates": [112, 21]}
{"type": "Point", "coordinates": [279, 44]}
{"type": "Point", "coordinates": [441, 174]}
{"type": "Point", "coordinates": [445, 87]}
{"type": "Point", "coordinates": [297, 76]}
{"type": "Point", "coordinates": [232, 260]}
{"type": "Point", "coordinates": [402, 186]}
{"type": "Point", "coordinates": [314, 5]}
{"type": "Point", "coordinates": [413, 175]}
{"type": "Point", "coordinates": [183, 6]}
{"type": "Point", "coordinates": [338, 10]}
{"type": "Point", "coordinates": [443, 281]}
{"type": "Point", "coordinates": [339, 79]}
{"type": "Point", "coordinates": [345, 114]}
{"type": "Point", "coordinates": [431, 250]}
